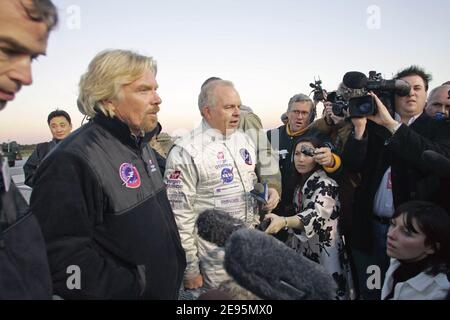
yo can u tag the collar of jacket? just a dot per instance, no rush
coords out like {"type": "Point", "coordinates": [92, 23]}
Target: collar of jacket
{"type": "Point", "coordinates": [296, 133]}
{"type": "Point", "coordinates": [398, 118]}
{"type": "Point", "coordinates": [212, 133]}
{"type": "Point", "coordinates": [122, 132]}
{"type": "Point", "coordinates": [421, 281]}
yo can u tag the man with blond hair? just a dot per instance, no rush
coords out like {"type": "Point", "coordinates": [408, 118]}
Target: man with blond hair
{"type": "Point", "coordinates": [99, 196]}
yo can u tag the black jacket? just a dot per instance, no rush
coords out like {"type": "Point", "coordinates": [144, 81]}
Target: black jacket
{"type": "Point", "coordinates": [411, 178]}
{"type": "Point", "coordinates": [121, 235]}
{"type": "Point", "coordinates": [33, 162]}
{"type": "Point", "coordinates": [24, 270]}
{"type": "Point", "coordinates": [284, 149]}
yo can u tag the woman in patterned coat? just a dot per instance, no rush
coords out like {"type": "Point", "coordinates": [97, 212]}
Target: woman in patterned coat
{"type": "Point", "coordinates": [316, 216]}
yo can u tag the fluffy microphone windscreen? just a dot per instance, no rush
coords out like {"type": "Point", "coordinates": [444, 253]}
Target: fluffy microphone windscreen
{"type": "Point", "coordinates": [216, 226]}
{"type": "Point", "coordinates": [271, 270]}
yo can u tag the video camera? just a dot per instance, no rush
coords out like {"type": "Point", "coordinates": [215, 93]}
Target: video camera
{"type": "Point", "coordinates": [338, 103]}
{"type": "Point", "coordinates": [384, 89]}
{"type": "Point", "coordinates": [318, 90]}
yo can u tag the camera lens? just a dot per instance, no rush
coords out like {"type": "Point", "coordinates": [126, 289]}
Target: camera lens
{"type": "Point", "coordinates": [337, 110]}
{"type": "Point", "coordinates": [365, 108]}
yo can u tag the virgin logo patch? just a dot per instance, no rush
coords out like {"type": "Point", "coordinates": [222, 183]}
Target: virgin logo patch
{"type": "Point", "coordinates": [175, 175]}
{"type": "Point", "coordinates": [130, 176]}
{"type": "Point", "coordinates": [246, 156]}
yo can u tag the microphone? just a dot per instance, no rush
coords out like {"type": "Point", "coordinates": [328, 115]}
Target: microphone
{"type": "Point", "coordinates": [355, 80]}
{"type": "Point", "coordinates": [271, 270]}
{"type": "Point", "coordinates": [216, 226]}
{"type": "Point", "coordinates": [260, 192]}
{"type": "Point", "coordinates": [437, 162]}
{"type": "Point", "coordinates": [358, 80]}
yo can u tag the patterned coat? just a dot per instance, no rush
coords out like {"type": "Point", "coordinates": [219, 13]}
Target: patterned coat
{"type": "Point", "coordinates": [317, 205]}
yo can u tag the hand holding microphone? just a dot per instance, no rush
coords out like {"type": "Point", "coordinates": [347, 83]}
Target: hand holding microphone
{"type": "Point", "coordinates": [268, 199]}
{"type": "Point", "coordinates": [272, 200]}
{"type": "Point", "coordinates": [194, 283]}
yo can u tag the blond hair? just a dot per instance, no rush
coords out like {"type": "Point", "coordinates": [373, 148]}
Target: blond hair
{"type": "Point", "coordinates": [107, 73]}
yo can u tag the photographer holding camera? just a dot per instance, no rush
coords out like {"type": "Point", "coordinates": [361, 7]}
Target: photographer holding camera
{"type": "Point", "coordinates": [301, 113]}
{"type": "Point", "coordinates": [335, 114]}
{"type": "Point", "coordinates": [387, 151]}
{"type": "Point", "coordinates": [336, 124]}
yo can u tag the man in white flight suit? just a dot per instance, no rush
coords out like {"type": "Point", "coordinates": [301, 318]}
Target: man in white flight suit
{"type": "Point", "coordinates": [212, 167]}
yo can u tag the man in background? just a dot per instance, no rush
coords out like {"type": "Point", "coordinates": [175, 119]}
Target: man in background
{"type": "Point", "coordinates": [60, 126]}
{"type": "Point", "coordinates": [301, 113]}
{"type": "Point", "coordinates": [438, 103]}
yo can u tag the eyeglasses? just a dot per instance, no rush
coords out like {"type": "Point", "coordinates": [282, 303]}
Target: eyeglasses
{"type": "Point", "coordinates": [299, 112]}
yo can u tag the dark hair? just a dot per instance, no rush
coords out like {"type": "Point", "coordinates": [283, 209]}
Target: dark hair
{"type": "Point", "coordinates": [317, 142]}
{"type": "Point", "coordinates": [42, 11]}
{"type": "Point", "coordinates": [58, 113]}
{"type": "Point", "coordinates": [446, 83]}
{"type": "Point", "coordinates": [434, 222]}
{"type": "Point", "coordinates": [415, 71]}
{"type": "Point", "coordinates": [312, 137]}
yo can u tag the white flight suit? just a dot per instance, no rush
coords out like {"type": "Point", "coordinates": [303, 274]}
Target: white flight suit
{"type": "Point", "coordinates": [205, 170]}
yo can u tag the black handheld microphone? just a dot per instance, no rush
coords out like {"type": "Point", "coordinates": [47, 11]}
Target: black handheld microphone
{"type": "Point", "coordinates": [261, 194]}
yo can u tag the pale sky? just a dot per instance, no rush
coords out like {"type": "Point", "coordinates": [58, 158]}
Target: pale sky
{"type": "Point", "coordinates": [271, 50]}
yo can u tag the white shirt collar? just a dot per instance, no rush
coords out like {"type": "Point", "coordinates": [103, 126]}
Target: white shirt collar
{"type": "Point", "coordinates": [212, 133]}
{"type": "Point", "coordinates": [410, 122]}
{"type": "Point", "coordinates": [421, 281]}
